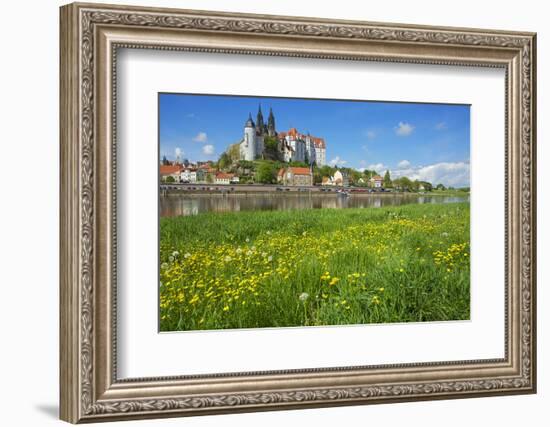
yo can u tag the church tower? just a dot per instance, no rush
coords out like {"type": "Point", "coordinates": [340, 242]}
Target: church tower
{"type": "Point", "coordinates": [260, 121]}
{"type": "Point", "coordinates": [271, 123]}
{"type": "Point", "coordinates": [248, 146]}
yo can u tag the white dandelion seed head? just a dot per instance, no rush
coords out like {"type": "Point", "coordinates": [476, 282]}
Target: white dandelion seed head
{"type": "Point", "coordinates": [249, 253]}
{"type": "Point", "coordinates": [175, 254]}
{"type": "Point", "coordinates": [303, 296]}
{"type": "Point", "coordinates": [247, 240]}
{"type": "Point", "coordinates": [239, 250]}
{"type": "Point", "coordinates": [164, 265]}
{"type": "Point", "coordinates": [171, 258]}
{"type": "Point", "coordinates": [270, 258]}
{"type": "Point", "coordinates": [227, 258]}
{"type": "Point", "coordinates": [253, 248]}
{"type": "Point", "coordinates": [187, 255]}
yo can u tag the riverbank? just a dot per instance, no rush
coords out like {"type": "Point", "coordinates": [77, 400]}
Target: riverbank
{"type": "Point", "coordinates": [199, 203]}
{"type": "Point", "coordinates": [315, 267]}
{"type": "Point", "coordinates": [181, 188]}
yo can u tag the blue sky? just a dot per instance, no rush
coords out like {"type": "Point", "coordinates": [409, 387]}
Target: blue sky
{"type": "Point", "coordinates": [422, 141]}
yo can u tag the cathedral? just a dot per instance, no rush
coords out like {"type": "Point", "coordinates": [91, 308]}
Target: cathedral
{"type": "Point", "coordinates": [291, 145]}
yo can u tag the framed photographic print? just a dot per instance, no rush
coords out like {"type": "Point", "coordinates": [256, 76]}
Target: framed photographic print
{"type": "Point", "coordinates": [267, 212]}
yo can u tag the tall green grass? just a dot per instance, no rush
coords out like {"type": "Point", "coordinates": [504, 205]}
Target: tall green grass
{"type": "Point", "coordinates": [315, 267]}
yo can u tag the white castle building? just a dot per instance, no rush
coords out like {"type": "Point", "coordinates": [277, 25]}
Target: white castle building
{"type": "Point", "coordinates": [291, 145]}
{"type": "Point", "coordinates": [298, 147]}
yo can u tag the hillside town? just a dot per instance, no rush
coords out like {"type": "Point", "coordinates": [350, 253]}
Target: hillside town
{"type": "Point", "coordinates": [288, 158]}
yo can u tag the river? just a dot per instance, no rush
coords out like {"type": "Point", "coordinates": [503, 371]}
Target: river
{"type": "Point", "coordinates": [194, 204]}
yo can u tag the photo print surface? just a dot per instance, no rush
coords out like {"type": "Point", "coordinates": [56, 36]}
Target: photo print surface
{"type": "Point", "coordinates": [290, 212]}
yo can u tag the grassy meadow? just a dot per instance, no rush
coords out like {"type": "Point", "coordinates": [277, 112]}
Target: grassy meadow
{"type": "Point", "coordinates": [315, 267]}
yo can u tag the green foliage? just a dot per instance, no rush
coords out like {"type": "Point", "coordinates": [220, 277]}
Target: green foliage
{"type": "Point", "coordinates": [299, 164]}
{"type": "Point", "coordinates": [266, 173]}
{"type": "Point", "coordinates": [270, 148]}
{"type": "Point", "coordinates": [326, 170]}
{"type": "Point", "coordinates": [369, 173]}
{"type": "Point", "coordinates": [170, 179]}
{"type": "Point", "coordinates": [387, 179]}
{"type": "Point", "coordinates": [403, 184]}
{"type": "Point", "coordinates": [427, 185]}
{"type": "Point", "coordinates": [354, 176]}
{"type": "Point", "coordinates": [233, 151]}
{"type": "Point", "coordinates": [224, 161]}
{"type": "Point", "coordinates": [246, 164]}
{"type": "Point", "coordinates": [317, 177]}
{"type": "Point", "coordinates": [357, 266]}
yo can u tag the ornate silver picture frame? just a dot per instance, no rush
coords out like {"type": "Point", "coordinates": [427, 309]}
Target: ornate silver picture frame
{"type": "Point", "coordinates": [91, 34]}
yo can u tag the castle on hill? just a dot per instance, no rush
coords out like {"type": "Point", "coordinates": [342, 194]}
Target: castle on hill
{"type": "Point", "coordinates": [292, 146]}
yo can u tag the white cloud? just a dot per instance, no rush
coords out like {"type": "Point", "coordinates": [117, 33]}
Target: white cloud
{"type": "Point", "coordinates": [337, 161]}
{"type": "Point", "coordinates": [201, 137]}
{"type": "Point", "coordinates": [208, 149]}
{"type": "Point", "coordinates": [179, 152]}
{"type": "Point", "coordinates": [378, 167]}
{"type": "Point", "coordinates": [441, 126]}
{"type": "Point", "coordinates": [404, 164]}
{"type": "Point", "coordinates": [371, 134]}
{"type": "Point", "coordinates": [404, 129]}
{"type": "Point", "coordinates": [455, 174]}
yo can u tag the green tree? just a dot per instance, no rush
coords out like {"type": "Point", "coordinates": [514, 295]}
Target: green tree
{"type": "Point", "coordinates": [299, 164]}
{"type": "Point", "coordinates": [327, 170]}
{"type": "Point", "coordinates": [246, 165]}
{"type": "Point", "coordinates": [403, 183]}
{"type": "Point", "coordinates": [234, 152]}
{"type": "Point", "coordinates": [387, 179]}
{"type": "Point", "coordinates": [170, 179]}
{"type": "Point", "coordinates": [354, 176]}
{"type": "Point", "coordinates": [440, 187]}
{"type": "Point", "coordinates": [427, 185]}
{"type": "Point", "coordinates": [266, 173]}
{"type": "Point", "coordinates": [224, 161]}
{"type": "Point", "coordinates": [317, 177]}
{"type": "Point", "coordinates": [369, 173]}
{"type": "Point", "coordinates": [270, 148]}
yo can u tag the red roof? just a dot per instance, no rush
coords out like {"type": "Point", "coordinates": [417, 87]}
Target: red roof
{"type": "Point", "coordinates": [170, 169]}
{"type": "Point", "coordinates": [281, 172]}
{"type": "Point", "coordinates": [300, 171]}
{"type": "Point", "coordinates": [293, 132]}
{"type": "Point", "coordinates": [318, 142]}
{"type": "Point", "coordinates": [222, 175]}
{"type": "Point", "coordinates": [377, 178]}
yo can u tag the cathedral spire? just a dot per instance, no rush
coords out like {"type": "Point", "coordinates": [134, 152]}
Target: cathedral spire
{"type": "Point", "coordinates": [271, 123]}
{"type": "Point", "coordinates": [260, 118]}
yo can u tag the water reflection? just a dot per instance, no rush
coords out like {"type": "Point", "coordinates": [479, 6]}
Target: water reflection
{"type": "Point", "coordinates": [193, 204]}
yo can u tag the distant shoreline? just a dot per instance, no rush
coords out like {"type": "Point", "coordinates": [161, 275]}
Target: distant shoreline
{"type": "Point", "coordinates": [211, 189]}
